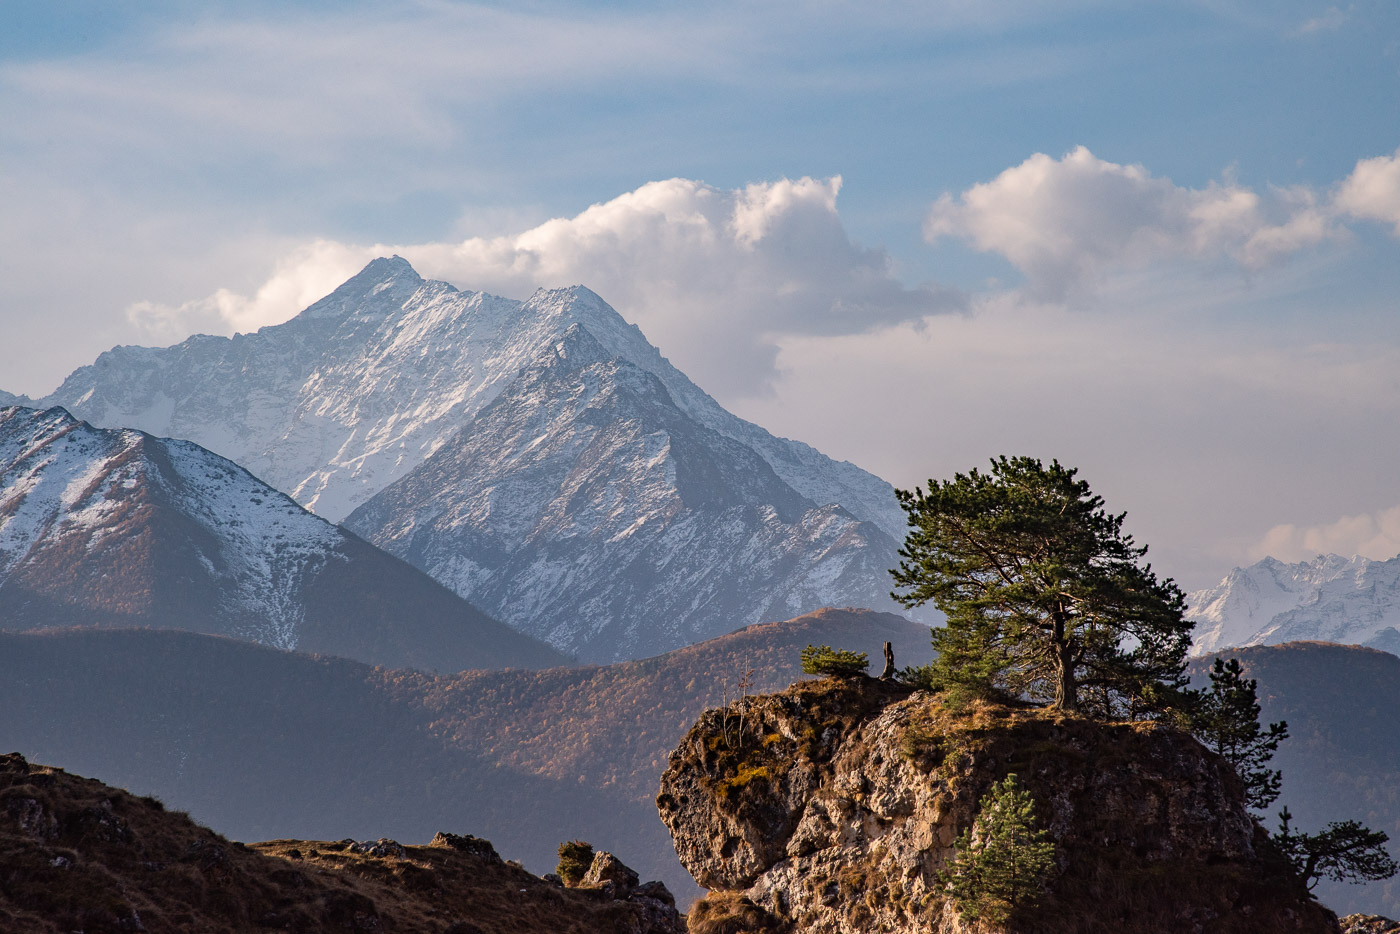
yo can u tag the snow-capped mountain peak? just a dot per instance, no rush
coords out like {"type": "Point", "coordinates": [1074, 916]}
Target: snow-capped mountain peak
{"type": "Point", "coordinates": [391, 372]}
{"type": "Point", "coordinates": [114, 527]}
{"type": "Point", "coordinates": [353, 393]}
{"type": "Point", "coordinates": [1331, 598]}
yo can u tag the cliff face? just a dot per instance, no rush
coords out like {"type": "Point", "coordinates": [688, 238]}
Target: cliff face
{"type": "Point", "coordinates": [832, 807]}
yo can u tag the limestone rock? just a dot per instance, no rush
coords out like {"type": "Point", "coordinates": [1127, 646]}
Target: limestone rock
{"type": "Point", "coordinates": [833, 808]}
{"type": "Point", "coordinates": [607, 870]}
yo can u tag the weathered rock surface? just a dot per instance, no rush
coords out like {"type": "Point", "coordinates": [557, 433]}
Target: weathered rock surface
{"type": "Point", "coordinates": [1369, 924]}
{"type": "Point", "coordinates": [832, 807]}
{"type": "Point", "coordinates": [609, 878]}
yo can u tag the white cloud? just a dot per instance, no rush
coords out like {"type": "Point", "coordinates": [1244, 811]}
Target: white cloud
{"type": "Point", "coordinates": [713, 276]}
{"type": "Point", "coordinates": [308, 273]}
{"type": "Point", "coordinates": [1068, 223]}
{"type": "Point", "coordinates": [1332, 19]}
{"type": "Point", "coordinates": [1372, 191]}
{"type": "Point", "coordinates": [1204, 436]}
{"type": "Point", "coordinates": [1376, 535]}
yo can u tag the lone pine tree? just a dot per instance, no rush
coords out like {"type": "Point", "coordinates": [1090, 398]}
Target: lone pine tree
{"type": "Point", "coordinates": [1044, 593]}
{"type": "Point", "coordinates": [1346, 851]}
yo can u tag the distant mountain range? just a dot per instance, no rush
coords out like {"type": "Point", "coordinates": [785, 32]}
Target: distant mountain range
{"type": "Point", "coordinates": [118, 529]}
{"type": "Point", "coordinates": [1354, 601]}
{"type": "Point", "coordinates": [539, 458]}
{"type": "Point", "coordinates": [259, 743]}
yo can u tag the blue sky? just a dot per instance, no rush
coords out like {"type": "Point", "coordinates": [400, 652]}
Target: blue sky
{"type": "Point", "coordinates": [1160, 241]}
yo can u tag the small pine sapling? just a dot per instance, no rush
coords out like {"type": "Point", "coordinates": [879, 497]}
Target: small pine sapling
{"type": "Point", "coordinates": [575, 857]}
{"type": "Point", "coordinates": [1004, 860]}
{"type": "Point", "coordinates": [833, 663]}
{"type": "Point", "coordinates": [1226, 719]}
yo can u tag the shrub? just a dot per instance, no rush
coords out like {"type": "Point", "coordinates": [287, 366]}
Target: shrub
{"type": "Point", "coordinates": [833, 663]}
{"type": "Point", "coordinates": [574, 859]}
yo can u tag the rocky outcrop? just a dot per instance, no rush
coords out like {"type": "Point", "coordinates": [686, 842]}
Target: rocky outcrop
{"type": "Point", "coordinates": [833, 807]}
{"type": "Point", "coordinates": [77, 855]}
{"type": "Point", "coordinates": [609, 878]}
{"type": "Point", "coordinates": [1369, 924]}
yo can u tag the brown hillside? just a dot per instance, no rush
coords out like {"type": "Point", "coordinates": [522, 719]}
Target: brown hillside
{"type": "Point", "coordinates": [78, 855]}
{"type": "Point", "coordinates": [614, 725]}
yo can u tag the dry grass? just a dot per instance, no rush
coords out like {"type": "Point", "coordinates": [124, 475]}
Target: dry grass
{"type": "Point", "coordinates": [730, 913]}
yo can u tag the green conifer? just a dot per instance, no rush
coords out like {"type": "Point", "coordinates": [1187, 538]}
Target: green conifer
{"type": "Point", "coordinates": [1044, 593]}
{"type": "Point", "coordinates": [1226, 720]}
{"type": "Point", "coordinates": [833, 663]}
{"type": "Point", "coordinates": [1004, 860]}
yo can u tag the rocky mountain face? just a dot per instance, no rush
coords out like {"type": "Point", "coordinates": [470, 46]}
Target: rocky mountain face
{"type": "Point", "coordinates": [539, 457]}
{"type": "Point", "coordinates": [83, 856]}
{"type": "Point", "coordinates": [832, 807]}
{"type": "Point", "coordinates": [1353, 601]}
{"type": "Point", "coordinates": [585, 507]}
{"type": "Point", "coordinates": [260, 743]}
{"type": "Point", "coordinates": [119, 528]}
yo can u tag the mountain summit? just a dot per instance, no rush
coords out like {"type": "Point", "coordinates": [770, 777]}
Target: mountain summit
{"type": "Point", "coordinates": [1353, 601]}
{"type": "Point", "coordinates": [540, 458]}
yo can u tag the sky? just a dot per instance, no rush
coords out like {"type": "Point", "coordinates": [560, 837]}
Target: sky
{"type": "Point", "coordinates": [1156, 241]}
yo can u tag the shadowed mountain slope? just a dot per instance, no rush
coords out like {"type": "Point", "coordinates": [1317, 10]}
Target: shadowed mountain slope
{"type": "Point", "coordinates": [1342, 757]}
{"type": "Point", "coordinates": [117, 528]}
{"type": "Point", "coordinates": [259, 743]}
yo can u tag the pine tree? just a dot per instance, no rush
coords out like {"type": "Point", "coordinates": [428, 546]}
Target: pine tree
{"type": "Point", "coordinates": [1345, 852]}
{"type": "Point", "coordinates": [575, 856]}
{"type": "Point", "coordinates": [1226, 719]}
{"type": "Point", "coordinates": [1004, 859]}
{"type": "Point", "coordinates": [1044, 593]}
{"type": "Point", "coordinates": [833, 663]}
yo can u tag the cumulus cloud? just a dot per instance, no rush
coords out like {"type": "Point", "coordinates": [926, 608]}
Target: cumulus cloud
{"type": "Point", "coordinates": [1372, 191]}
{"type": "Point", "coordinates": [1376, 536]}
{"type": "Point", "coordinates": [713, 276]}
{"type": "Point", "coordinates": [1066, 223]}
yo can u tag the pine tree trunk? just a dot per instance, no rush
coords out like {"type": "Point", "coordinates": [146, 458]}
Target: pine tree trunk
{"type": "Point", "coordinates": [1066, 690]}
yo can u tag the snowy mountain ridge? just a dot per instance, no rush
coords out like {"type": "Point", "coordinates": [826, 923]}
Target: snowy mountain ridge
{"type": "Point", "coordinates": [585, 507]}
{"type": "Point", "coordinates": [354, 392]}
{"type": "Point", "coordinates": [69, 486]}
{"type": "Point", "coordinates": [539, 458]}
{"type": "Point", "coordinates": [116, 527]}
{"type": "Point", "coordinates": [1352, 600]}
